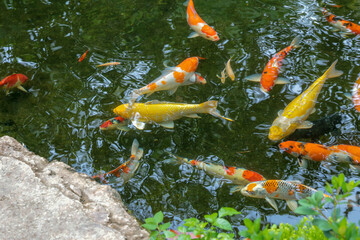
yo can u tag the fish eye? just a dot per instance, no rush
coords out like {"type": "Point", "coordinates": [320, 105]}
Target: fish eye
{"type": "Point", "coordinates": [250, 192]}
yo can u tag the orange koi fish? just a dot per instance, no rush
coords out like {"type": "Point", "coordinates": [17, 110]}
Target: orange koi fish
{"type": "Point", "coordinates": [345, 26]}
{"type": "Point", "coordinates": [355, 96]}
{"type": "Point", "coordinates": [14, 81]}
{"type": "Point", "coordinates": [200, 27]}
{"type": "Point", "coordinates": [317, 152]}
{"type": "Point", "coordinates": [108, 64]}
{"type": "Point", "coordinates": [127, 169]}
{"type": "Point", "coordinates": [115, 123]}
{"type": "Point", "coordinates": [236, 175]}
{"type": "Point", "coordinates": [83, 56]}
{"type": "Point", "coordinates": [269, 76]}
{"type": "Point", "coordinates": [172, 78]}
{"type": "Point", "coordinates": [290, 191]}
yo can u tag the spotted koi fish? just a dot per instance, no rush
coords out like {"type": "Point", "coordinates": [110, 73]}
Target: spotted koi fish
{"type": "Point", "coordinates": [200, 27]}
{"type": "Point", "coordinates": [164, 113]}
{"type": "Point", "coordinates": [355, 96]}
{"type": "Point", "coordinates": [269, 76]}
{"type": "Point", "coordinates": [236, 175]}
{"type": "Point", "coordinates": [290, 191]}
{"type": "Point", "coordinates": [317, 152]}
{"type": "Point", "coordinates": [14, 81]}
{"type": "Point", "coordinates": [126, 170]}
{"type": "Point", "coordinates": [115, 123]}
{"type": "Point", "coordinates": [345, 26]}
{"type": "Point", "coordinates": [172, 78]}
{"type": "Point", "coordinates": [298, 110]}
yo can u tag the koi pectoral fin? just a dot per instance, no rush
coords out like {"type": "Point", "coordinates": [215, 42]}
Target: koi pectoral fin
{"type": "Point", "coordinates": [22, 89]}
{"type": "Point", "coordinates": [348, 95]}
{"type": "Point", "coordinates": [272, 203]}
{"type": "Point", "coordinates": [292, 204]}
{"type": "Point", "coordinates": [193, 35]}
{"type": "Point", "coordinates": [303, 162]}
{"type": "Point", "coordinates": [172, 91]}
{"type": "Point", "coordinates": [305, 125]}
{"type": "Point", "coordinates": [236, 189]}
{"type": "Point", "coordinates": [254, 77]}
{"type": "Point", "coordinates": [167, 124]}
{"type": "Point", "coordinates": [138, 125]}
{"type": "Point", "coordinates": [281, 80]}
{"type": "Point", "coordinates": [193, 116]}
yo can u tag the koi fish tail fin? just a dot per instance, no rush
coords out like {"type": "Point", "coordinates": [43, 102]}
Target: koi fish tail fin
{"type": "Point", "coordinates": [210, 107]}
{"type": "Point", "coordinates": [136, 152]}
{"type": "Point", "coordinates": [295, 42]}
{"type": "Point", "coordinates": [332, 72]}
{"type": "Point", "coordinates": [176, 159]}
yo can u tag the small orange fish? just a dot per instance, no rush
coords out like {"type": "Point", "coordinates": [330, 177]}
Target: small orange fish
{"type": "Point", "coordinates": [269, 76]}
{"type": "Point", "coordinates": [200, 27]}
{"type": "Point", "coordinates": [345, 26]}
{"type": "Point", "coordinates": [14, 81]}
{"type": "Point", "coordinates": [83, 56]}
{"type": "Point", "coordinates": [108, 64]}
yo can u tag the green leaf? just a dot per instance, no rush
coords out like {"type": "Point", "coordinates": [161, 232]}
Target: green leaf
{"type": "Point", "coordinates": [223, 224]}
{"type": "Point", "coordinates": [319, 195]}
{"type": "Point", "coordinates": [306, 211]}
{"type": "Point", "coordinates": [150, 226]}
{"type": "Point", "coordinates": [150, 220]}
{"type": "Point", "coordinates": [248, 223]}
{"type": "Point", "coordinates": [191, 222]}
{"type": "Point", "coordinates": [159, 217]}
{"type": "Point", "coordinates": [182, 229]}
{"type": "Point", "coordinates": [211, 218]}
{"type": "Point", "coordinates": [227, 211]}
{"type": "Point", "coordinates": [328, 188]}
{"type": "Point", "coordinates": [305, 202]}
{"type": "Point", "coordinates": [169, 234]}
{"type": "Point", "coordinates": [154, 234]}
{"type": "Point", "coordinates": [322, 224]}
{"type": "Point", "coordinates": [164, 226]}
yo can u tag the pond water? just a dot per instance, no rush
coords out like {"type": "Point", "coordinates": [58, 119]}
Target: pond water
{"type": "Point", "coordinates": [67, 101]}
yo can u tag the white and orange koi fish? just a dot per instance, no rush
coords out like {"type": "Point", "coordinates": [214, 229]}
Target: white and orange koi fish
{"type": "Point", "coordinates": [126, 170]}
{"type": "Point", "coordinates": [236, 175]}
{"type": "Point", "coordinates": [355, 96]}
{"type": "Point", "coordinates": [172, 78]}
{"type": "Point", "coordinates": [345, 26]}
{"type": "Point", "coordinates": [200, 27]}
{"type": "Point", "coordinates": [290, 191]}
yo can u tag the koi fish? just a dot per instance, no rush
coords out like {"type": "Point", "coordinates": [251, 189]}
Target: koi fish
{"type": "Point", "coordinates": [314, 152]}
{"type": "Point", "coordinates": [200, 27]}
{"type": "Point", "coordinates": [298, 110]}
{"type": "Point", "coordinates": [345, 26]}
{"type": "Point", "coordinates": [14, 81]}
{"type": "Point", "coordinates": [127, 169]}
{"type": "Point", "coordinates": [223, 76]}
{"type": "Point", "coordinates": [269, 76]}
{"type": "Point", "coordinates": [229, 70]}
{"type": "Point", "coordinates": [236, 175]}
{"type": "Point", "coordinates": [197, 79]}
{"type": "Point", "coordinates": [164, 113]}
{"type": "Point", "coordinates": [108, 64]}
{"type": "Point", "coordinates": [355, 96]}
{"type": "Point", "coordinates": [192, 236]}
{"type": "Point", "coordinates": [172, 78]}
{"type": "Point", "coordinates": [83, 56]}
{"type": "Point", "coordinates": [115, 123]}
{"type": "Point", "coordinates": [290, 191]}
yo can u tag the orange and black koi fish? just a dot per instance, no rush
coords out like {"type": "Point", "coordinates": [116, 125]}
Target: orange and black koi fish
{"type": "Point", "coordinates": [236, 175]}
{"type": "Point", "coordinates": [14, 81]}
{"type": "Point", "coordinates": [115, 123]}
{"type": "Point", "coordinates": [200, 27]}
{"type": "Point", "coordinates": [83, 56]}
{"type": "Point", "coordinates": [343, 25]}
{"type": "Point", "coordinates": [269, 76]}
{"type": "Point", "coordinates": [127, 169]}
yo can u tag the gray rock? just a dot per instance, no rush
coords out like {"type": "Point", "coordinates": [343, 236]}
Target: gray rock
{"type": "Point", "coordinates": [42, 200]}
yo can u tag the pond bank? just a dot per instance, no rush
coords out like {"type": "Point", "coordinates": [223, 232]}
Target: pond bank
{"type": "Point", "coordinates": [49, 200]}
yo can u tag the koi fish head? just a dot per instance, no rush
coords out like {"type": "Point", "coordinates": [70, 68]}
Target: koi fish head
{"type": "Point", "coordinates": [254, 190]}
{"type": "Point", "coordinates": [112, 123]}
{"type": "Point", "coordinates": [122, 110]}
{"type": "Point", "coordinates": [252, 176]}
{"type": "Point", "coordinates": [210, 33]}
{"type": "Point", "coordinates": [190, 64]}
{"type": "Point", "coordinates": [329, 16]}
{"type": "Point", "coordinates": [276, 133]}
{"type": "Point", "coordinates": [292, 147]}
{"type": "Point", "coordinates": [199, 79]}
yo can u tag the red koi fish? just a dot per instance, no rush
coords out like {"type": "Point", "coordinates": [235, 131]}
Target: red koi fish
{"type": "Point", "coordinates": [355, 96]}
{"type": "Point", "coordinates": [83, 56]}
{"type": "Point", "coordinates": [269, 76]}
{"type": "Point", "coordinates": [200, 27]}
{"type": "Point", "coordinates": [14, 81]}
{"type": "Point", "coordinates": [115, 123]}
{"type": "Point", "coordinates": [317, 152]}
{"type": "Point", "coordinates": [290, 191]}
{"type": "Point", "coordinates": [127, 169]}
{"type": "Point", "coordinates": [236, 175]}
{"type": "Point", "coordinates": [345, 26]}
{"type": "Point", "coordinates": [172, 78]}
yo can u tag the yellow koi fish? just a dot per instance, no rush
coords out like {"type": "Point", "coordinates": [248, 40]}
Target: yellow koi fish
{"type": "Point", "coordinates": [298, 110]}
{"type": "Point", "coordinates": [164, 113]}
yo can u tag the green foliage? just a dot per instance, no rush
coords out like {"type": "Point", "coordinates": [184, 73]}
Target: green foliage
{"type": "Point", "coordinates": [316, 226]}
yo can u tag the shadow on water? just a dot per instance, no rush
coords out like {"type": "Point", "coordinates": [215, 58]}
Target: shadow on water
{"type": "Point", "coordinates": [67, 101]}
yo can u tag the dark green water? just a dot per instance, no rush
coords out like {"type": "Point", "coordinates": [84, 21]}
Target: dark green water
{"type": "Point", "coordinates": [67, 101]}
